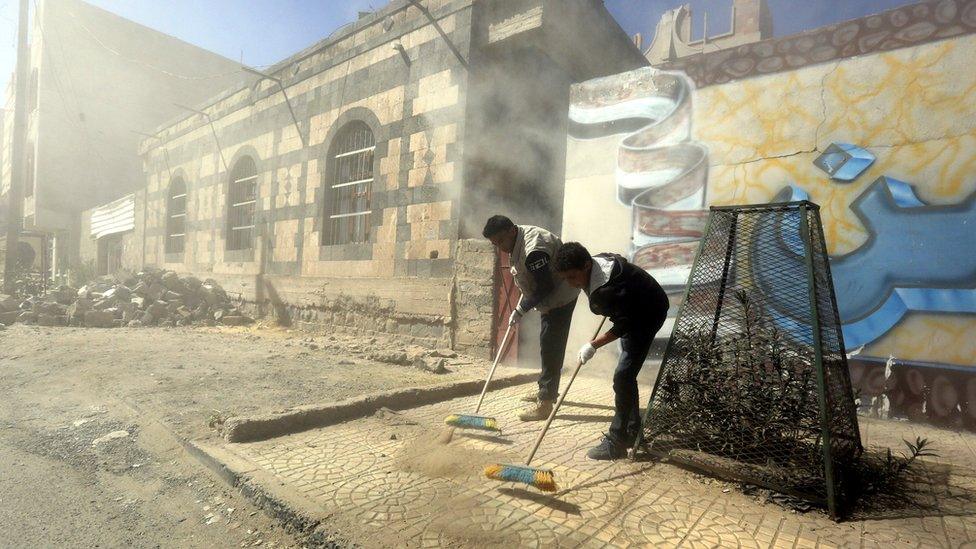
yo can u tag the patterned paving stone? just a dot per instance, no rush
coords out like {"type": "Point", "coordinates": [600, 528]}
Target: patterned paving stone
{"type": "Point", "coordinates": [356, 471]}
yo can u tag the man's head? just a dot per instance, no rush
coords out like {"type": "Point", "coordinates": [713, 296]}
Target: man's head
{"type": "Point", "coordinates": [501, 232]}
{"type": "Point", "coordinates": [573, 264]}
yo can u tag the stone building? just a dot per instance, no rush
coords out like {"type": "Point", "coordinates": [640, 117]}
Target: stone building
{"type": "Point", "coordinates": [344, 189]}
{"type": "Point", "coordinates": [96, 81]}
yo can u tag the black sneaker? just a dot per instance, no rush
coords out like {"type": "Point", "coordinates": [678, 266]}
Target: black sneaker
{"type": "Point", "coordinates": [607, 449]}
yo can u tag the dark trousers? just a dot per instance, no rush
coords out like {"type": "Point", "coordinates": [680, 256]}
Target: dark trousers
{"type": "Point", "coordinates": [552, 343]}
{"type": "Point", "coordinates": [626, 422]}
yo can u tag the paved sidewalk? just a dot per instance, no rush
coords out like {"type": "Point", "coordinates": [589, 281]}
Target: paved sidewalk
{"type": "Point", "coordinates": [389, 483]}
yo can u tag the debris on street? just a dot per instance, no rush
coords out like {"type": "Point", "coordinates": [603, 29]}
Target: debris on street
{"type": "Point", "coordinates": [148, 298]}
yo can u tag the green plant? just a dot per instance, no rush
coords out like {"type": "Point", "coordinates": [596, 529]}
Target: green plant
{"type": "Point", "coordinates": [216, 419]}
{"type": "Point", "coordinates": [81, 273]}
{"type": "Point", "coordinates": [748, 395]}
{"type": "Point", "coordinates": [877, 474]}
{"type": "Point", "coordinates": [920, 448]}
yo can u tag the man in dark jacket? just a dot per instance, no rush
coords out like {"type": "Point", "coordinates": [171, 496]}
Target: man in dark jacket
{"type": "Point", "coordinates": [637, 306]}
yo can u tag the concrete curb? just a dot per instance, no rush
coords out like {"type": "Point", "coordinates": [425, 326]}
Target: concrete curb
{"type": "Point", "coordinates": [303, 418]}
{"type": "Point", "coordinates": [292, 509]}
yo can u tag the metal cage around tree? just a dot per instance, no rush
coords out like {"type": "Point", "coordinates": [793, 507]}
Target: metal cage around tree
{"type": "Point", "coordinates": [754, 384]}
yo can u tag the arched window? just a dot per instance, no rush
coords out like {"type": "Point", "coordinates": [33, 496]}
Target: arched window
{"type": "Point", "coordinates": [242, 197]}
{"type": "Point", "coordinates": [176, 217]}
{"type": "Point", "coordinates": [347, 206]}
{"type": "Point", "coordinates": [29, 172]}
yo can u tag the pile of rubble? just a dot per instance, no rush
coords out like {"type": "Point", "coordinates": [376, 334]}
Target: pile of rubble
{"type": "Point", "coordinates": [432, 360]}
{"type": "Point", "coordinates": [150, 298]}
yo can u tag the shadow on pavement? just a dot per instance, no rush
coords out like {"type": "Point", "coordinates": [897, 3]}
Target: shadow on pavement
{"type": "Point", "coordinates": [587, 405]}
{"type": "Point", "coordinates": [547, 500]}
{"type": "Point", "coordinates": [585, 418]}
{"type": "Point", "coordinates": [487, 438]}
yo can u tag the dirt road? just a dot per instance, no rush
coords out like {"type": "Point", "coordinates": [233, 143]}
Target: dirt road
{"type": "Point", "coordinates": [91, 423]}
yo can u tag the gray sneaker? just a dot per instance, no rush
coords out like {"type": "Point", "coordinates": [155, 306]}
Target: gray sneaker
{"type": "Point", "coordinates": [608, 449]}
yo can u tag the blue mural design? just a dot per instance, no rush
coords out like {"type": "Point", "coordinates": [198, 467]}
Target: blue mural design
{"type": "Point", "coordinates": [918, 257]}
{"type": "Point", "coordinates": [844, 162]}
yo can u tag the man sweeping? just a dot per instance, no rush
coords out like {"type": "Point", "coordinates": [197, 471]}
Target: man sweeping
{"type": "Point", "coordinates": [638, 307]}
{"type": "Point", "coordinates": [532, 250]}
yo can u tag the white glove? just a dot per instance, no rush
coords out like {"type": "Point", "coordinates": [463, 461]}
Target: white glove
{"type": "Point", "coordinates": [515, 318]}
{"type": "Point", "coordinates": [586, 352]}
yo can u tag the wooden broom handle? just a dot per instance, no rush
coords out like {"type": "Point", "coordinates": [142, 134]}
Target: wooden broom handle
{"type": "Point", "coordinates": [552, 415]}
{"type": "Point", "coordinates": [498, 356]}
{"type": "Point", "coordinates": [491, 373]}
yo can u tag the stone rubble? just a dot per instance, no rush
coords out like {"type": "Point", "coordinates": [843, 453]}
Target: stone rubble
{"type": "Point", "coordinates": [148, 298]}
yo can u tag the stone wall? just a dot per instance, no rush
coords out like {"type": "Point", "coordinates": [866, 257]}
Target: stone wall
{"type": "Point", "coordinates": [473, 297]}
{"type": "Point", "coordinates": [408, 73]}
{"type": "Point", "coordinates": [412, 99]}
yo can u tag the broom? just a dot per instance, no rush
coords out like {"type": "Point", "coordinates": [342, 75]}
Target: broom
{"type": "Point", "coordinates": [474, 421]}
{"type": "Point", "coordinates": [542, 479]}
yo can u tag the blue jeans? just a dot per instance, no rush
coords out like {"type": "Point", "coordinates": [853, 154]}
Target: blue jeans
{"type": "Point", "coordinates": [552, 344]}
{"type": "Point", "coordinates": [626, 422]}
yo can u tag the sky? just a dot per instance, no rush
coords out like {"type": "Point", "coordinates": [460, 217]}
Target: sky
{"type": "Point", "coordinates": [263, 32]}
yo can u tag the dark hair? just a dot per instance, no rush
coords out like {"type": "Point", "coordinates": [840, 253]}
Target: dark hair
{"type": "Point", "coordinates": [497, 224]}
{"type": "Point", "coordinates": [570, 256]}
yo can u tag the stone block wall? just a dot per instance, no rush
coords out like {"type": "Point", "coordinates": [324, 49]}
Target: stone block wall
{"type": "Point", "coordinates": [413, 100]}
{"type": "Point", "coordinates": [473, 297]}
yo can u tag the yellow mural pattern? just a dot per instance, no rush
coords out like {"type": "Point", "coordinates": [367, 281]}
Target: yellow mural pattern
{"type": "Point", "coordinates": [912, 108]}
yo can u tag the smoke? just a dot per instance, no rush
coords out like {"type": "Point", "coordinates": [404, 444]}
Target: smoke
{"type": "Point", "coordinates": [516, 141]}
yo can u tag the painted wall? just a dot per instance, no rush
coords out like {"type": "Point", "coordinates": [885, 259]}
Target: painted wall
{"type": "Point", "coordinates": [646, 161]}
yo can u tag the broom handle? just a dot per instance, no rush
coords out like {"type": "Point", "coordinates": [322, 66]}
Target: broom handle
{"type": "Point", "coordinates": [491, 373]}
{"type": "Point", "coordinates": [552, 415]}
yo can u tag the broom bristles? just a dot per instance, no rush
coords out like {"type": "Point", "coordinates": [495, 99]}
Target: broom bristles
{"type": "Point", "coordinates": [472, 422]}
{"type": "Point", "coordinates": [542, 479]}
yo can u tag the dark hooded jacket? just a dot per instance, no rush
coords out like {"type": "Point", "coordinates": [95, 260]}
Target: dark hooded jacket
{"type": "Point", "coordinates": [631, 298]}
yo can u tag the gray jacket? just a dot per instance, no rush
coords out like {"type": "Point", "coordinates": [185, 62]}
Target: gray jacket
{"type": "Point", "coordinates": [531, 239]}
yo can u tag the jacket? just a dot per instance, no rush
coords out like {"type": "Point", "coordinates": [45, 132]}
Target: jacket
{"type": "Point", "coordinates": [538, 242]}
{"type": "Point", "coordinates": [631, 298]}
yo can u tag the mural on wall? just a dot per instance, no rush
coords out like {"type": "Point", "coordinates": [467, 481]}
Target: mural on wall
{"type": "Point", "coordinates": [894, 29]}
{"type": "Point", "coordinates": [914, 260]}
{"type": "Point", "coordinates": [661, 172]}
{"type": "Point", "coordinates": [882, 142]}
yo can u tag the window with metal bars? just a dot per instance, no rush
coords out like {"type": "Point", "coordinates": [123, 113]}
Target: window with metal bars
{"type": "Point", "coordinates": [176, 217]}
{"type": "Point", "coordinates": [347, 208]}
{"type": "Point", "coordinates": [241, 201]}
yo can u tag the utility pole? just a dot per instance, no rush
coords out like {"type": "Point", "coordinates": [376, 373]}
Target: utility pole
{"type": "Point", "coordinates": [15, 213]}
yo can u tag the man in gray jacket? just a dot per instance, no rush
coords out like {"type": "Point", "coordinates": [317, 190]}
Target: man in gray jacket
{"type": "Point", "coordinates": [532, 250]}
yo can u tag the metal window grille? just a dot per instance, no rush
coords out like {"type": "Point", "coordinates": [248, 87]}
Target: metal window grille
{"type": "Point", "coordinates": [241, 202]}
{"type": "Point", "coordinates": [347, 210]}
{"type": "Point", "coordinates": [176, 217]}
{"type": "Point", "coordinates": [754, 384]}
